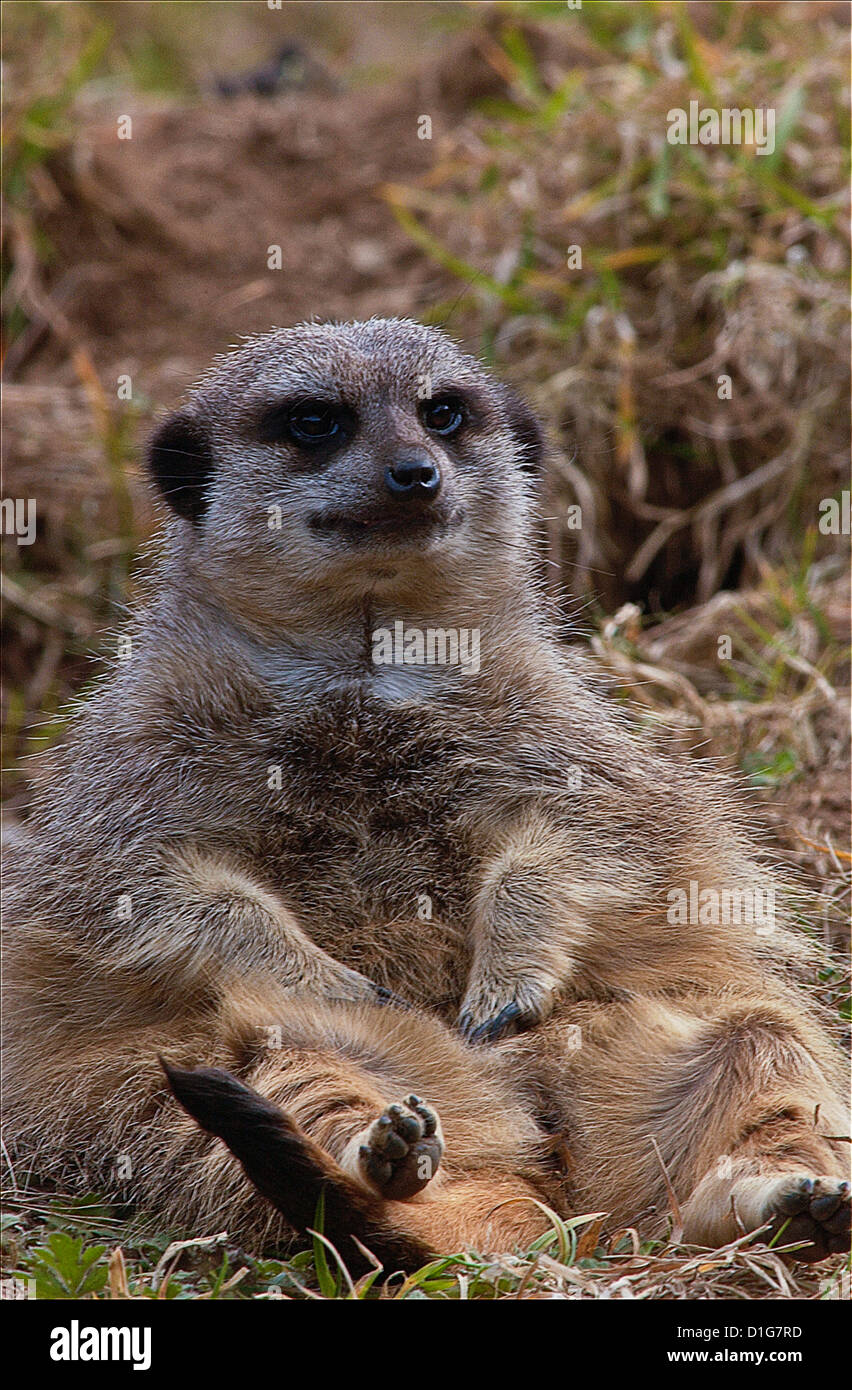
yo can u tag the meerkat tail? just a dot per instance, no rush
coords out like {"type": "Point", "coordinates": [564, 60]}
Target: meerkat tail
{"type": "Point", "coordinates": [291, 1171]}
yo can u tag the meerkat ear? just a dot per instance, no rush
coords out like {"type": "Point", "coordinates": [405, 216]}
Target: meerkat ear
{"type": "Point", "coordinates": [181, 462]}
{"type": "Point", "coordinates": [526, 429]}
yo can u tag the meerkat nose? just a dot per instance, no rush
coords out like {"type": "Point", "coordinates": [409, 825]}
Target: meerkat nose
{"type": "Point", "coordinates": [415, 478]}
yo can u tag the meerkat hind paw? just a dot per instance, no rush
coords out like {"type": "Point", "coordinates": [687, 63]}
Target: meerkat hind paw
{"type": "Point", "coordinates": [402, 1149]}
{"type": "Point", "coordinates": [815, 1211]}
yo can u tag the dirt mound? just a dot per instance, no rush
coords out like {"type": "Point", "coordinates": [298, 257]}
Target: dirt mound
{"type": "Point", "coordinates": [160, 253]}
{"type": "Point", "coordinates": [168, 234]}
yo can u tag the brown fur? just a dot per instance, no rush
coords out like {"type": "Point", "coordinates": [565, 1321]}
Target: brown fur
{"type": "Point", "coordinates": [245, 823]}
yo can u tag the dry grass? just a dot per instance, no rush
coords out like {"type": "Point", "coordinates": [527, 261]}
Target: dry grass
{"type": "Point", "coordinates": [774, 707]}
{"type": "Point", "coordinates": [80, 1248]}
{"type": "Point", "coordinates": [699, 264]}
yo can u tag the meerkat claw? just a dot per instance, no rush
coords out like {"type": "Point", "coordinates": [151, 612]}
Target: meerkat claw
{"type": "Point", "coordinates": [507, 1022]}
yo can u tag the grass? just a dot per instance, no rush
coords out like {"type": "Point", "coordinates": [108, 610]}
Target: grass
{"type": "Point", "coordinates": [80, 1249]}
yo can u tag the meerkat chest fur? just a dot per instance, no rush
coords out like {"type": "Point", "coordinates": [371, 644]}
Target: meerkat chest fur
{"type": "Point", "coordinates": [367, 831]}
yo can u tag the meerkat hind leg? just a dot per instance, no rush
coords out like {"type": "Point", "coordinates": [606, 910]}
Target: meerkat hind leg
{"type": "Point", "coordinates": [732, 1102]}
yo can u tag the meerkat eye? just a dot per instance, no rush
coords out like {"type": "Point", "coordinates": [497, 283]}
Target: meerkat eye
{"type": "Point", "coordinates": [309, 424]}
{"type": "Point", "coordinates": [315, 422]}
{"type": "Point", "coordinates": [443, 415]}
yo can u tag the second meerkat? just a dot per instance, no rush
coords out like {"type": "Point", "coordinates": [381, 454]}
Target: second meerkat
{"type": "Point", "coordinates": [253, 813]}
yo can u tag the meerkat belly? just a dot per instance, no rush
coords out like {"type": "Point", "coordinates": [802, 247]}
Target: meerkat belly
{"type": "Point", "coordinates": [384, 888]}
{"type": "Point", "coordinates": [389, 906]}
{"type": "Point", "coordinates": [366, 836]}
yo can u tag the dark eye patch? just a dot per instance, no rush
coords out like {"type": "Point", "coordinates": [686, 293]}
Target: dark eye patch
{"type": "Point", "coordinates": [310, 424]}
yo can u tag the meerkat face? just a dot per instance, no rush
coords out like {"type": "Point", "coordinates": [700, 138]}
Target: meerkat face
{"type": "Point", "coordinates": [347, 458]}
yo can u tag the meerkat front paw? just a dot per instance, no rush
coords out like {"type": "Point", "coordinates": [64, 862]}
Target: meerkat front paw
{"type": "Point", "coordinates": [401, 1151]}
{"type": "Point", "coordinates": [813, 1210]}
{"type": "Point", "coordinates": [492, 1011]}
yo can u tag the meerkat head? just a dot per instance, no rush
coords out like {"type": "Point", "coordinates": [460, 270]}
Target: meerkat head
{"type": "Point", "coordinates": [348, 461]}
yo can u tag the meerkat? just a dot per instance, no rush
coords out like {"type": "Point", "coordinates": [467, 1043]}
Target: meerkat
{"type": "Point", "coordinates": [411, 929]}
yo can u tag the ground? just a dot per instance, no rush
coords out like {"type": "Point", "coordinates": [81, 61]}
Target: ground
{"type": "Point", "coordinates": [676, 314]}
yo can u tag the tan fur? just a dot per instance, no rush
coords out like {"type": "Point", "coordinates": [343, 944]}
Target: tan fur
{"type": "Point", "coordinates": [231, 855]}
